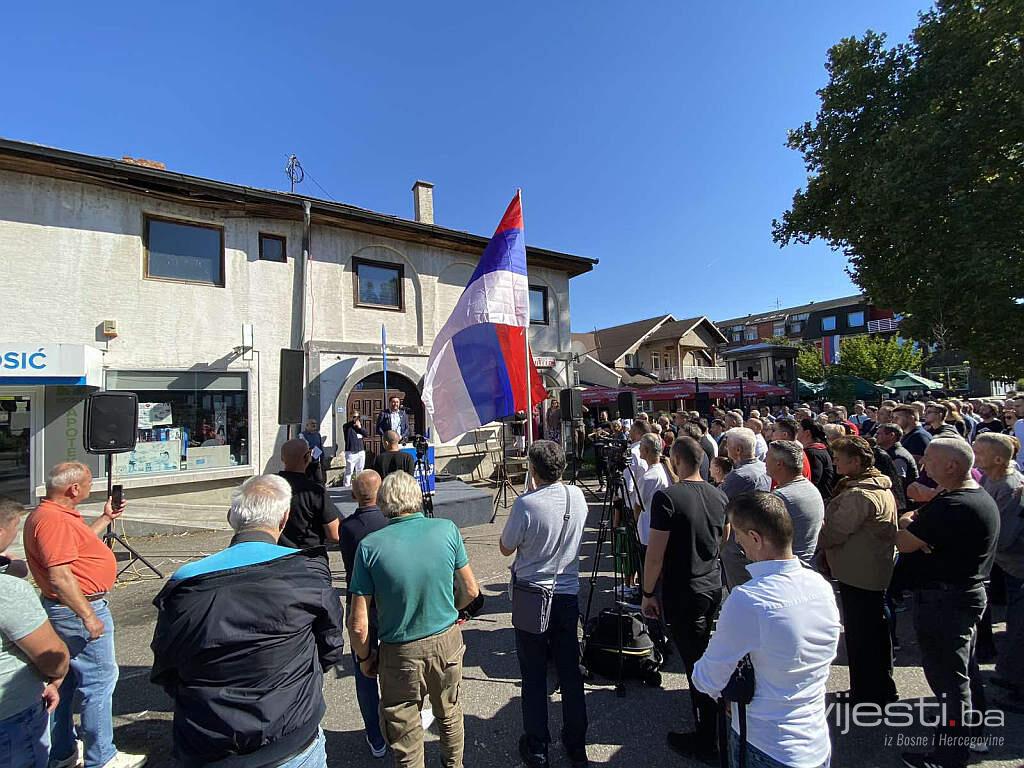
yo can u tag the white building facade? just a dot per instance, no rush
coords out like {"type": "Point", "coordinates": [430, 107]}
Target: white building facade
{"type": "Point", "coordinates": [185, 291]}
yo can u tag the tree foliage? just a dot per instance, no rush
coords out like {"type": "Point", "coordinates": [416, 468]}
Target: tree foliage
{"type": "Point", "coordinates": [915, 168]}
{"type": "Point", "coordinates": [875, 358]}
{"type": "Point", "coordinates": [809, 364]}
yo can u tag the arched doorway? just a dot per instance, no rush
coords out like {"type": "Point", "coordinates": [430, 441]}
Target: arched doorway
{"type": "Point", "coordinates": [367, 397]}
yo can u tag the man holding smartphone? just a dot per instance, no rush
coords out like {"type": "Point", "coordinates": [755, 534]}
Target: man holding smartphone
{"type": "Point", "coordinates": [75, 570]}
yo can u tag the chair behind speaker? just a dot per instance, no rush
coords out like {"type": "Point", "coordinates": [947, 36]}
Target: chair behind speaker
{"type": "Point", "coordinates": [111, 422]}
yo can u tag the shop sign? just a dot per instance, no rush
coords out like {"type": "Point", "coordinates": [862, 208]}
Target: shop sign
{"type": "Point", "coordinates": [68, 364]}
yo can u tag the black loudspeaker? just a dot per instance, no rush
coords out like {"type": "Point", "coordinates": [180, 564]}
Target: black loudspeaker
{"type": "Point", "coordinates": [627, 405]}
{"type": "Point", "coordinates": [111, 422]}
{"type": "Point", "coordinates": [702, 403]}
{"type": "Point", "coordinates": [289, 386]}
{"type": "Point", "coordinates": [571, 403]}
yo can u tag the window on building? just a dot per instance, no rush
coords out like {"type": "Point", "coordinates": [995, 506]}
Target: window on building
{"type": "Point", "coordinates": [273, 247]}
{"type": "Point", "coordinates": [828, 323]}
{"type": "Point", "coordinates": [797, 322]}
{"type": "Point", "coordinates": [855, 319]}
{"type": "Point", "coordinates": [178, 250]}
{"type": "Point", "coordinates": [655, 361]}
{"type": "Point", "coordinates": [630, 360]}
{"type": "Point", "coordinates": [779, 328]}
{"type": "Point", "coordinates": [378, 284]}
{"type": "Point", "coordinates": [751, 333]}
{"type": "Point", "coordinates": [538, 305]}
{"type": "Point", "coordinates": [188, 421]}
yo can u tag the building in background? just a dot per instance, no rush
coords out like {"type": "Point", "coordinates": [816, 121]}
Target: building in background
{"type": "Point", "coordinates": [126, 276]}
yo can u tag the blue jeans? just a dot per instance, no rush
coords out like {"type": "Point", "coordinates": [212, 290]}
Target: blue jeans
{"type": "Point", "coordinates": [369, 706]}
{"type": "Point", "coordinates": [755, 757]}
{"type": "Point", "coordinates": [93, 675]}
{"type": "Point", "coordinates": [25, 738]}
{"type": "Point", "coordinates": [313, 756]}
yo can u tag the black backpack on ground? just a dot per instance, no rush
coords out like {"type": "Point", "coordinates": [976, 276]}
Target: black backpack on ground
{"type": "Point", "coordinates": [639, 658]}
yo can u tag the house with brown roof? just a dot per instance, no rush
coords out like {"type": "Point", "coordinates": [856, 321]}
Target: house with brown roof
{"type": "Point", "coordinates": [645, 352]}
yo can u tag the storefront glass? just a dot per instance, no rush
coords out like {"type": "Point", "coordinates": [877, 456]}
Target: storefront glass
{"type": "Point", "coordinates": [15, 440]}
{"type": "Point", "coordinates": [188, 421]}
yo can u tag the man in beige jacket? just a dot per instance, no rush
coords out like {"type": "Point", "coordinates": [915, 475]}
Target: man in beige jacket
{"type": "Point", "coordinates": [858, 539]}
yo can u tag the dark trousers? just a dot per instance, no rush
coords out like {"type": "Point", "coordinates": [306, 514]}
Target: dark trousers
{"type": "Point", "coordinates": [691, 616]}
{"type": "Point", "coordinates": [945, 621]}
{"type": "Point", "coordinates": [868, 645]}
{"type": "Point", "coordinates": [561, 643]}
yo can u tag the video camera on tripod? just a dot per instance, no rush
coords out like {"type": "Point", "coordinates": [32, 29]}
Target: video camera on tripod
{"type": "Point", "coordinates": [615, 452]}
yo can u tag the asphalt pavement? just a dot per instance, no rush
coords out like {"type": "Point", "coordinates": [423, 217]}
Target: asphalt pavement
{"type": "Point", "coordinates": [624, 730]}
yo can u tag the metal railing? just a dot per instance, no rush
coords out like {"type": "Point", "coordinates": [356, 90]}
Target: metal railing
{"type": "Point", "coordinates": [708, 372]}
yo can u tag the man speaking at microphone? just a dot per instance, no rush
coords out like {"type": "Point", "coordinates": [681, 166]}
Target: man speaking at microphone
{"type": "Point", "coordinates": [75, 570]}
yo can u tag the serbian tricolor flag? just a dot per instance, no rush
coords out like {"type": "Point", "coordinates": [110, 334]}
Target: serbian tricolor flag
{"type": "Point", "coordinates": [477, 370]}
{"type": "Point", "coordinates": [830, 349]}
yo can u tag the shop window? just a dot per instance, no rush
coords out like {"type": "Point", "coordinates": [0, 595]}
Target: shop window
{"type": "Point", "coordinates": [538, 305]}
{"type": "Point", "coordinates": [183, 251]}
{"type": "Point", "coordinates": [273, 247]}
{"type": "Point", "coordinates": [188, 421]}
{"type": "Point", "coordinates": [378, 284]}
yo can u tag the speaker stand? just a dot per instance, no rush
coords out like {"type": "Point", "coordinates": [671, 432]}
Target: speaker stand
{"type": "Point", "coordinates": [109, 535]}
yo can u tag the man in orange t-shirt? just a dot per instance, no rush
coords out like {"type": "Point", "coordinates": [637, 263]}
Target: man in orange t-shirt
{"type": "Point", "coordinates": [75, 570]}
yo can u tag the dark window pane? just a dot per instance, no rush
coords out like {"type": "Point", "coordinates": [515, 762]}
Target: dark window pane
{"type": "Point", "coordinates": [537, 306]}
{"type": "Point", "coordinates": [184, 252]}
{"type": "Point", "coordinates": [271, 248]}
{"type": "Point", "coordinates": [379, 285]}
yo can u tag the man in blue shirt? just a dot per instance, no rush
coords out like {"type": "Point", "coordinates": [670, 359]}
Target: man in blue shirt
{"type": "Point", "coordinates": [257, 623]}
{"type": "Point", "coordinates": [416, 573]}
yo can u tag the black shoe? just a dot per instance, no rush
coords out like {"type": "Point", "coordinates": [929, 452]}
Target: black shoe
{"type": "Point", "coordinates": [689, 745]}
{"type": "Point", "coordinates": [530, 758]}
{"type": "Point", "coordinates": [921, 760]}
{"type": "Point", "coordinates": [578, 757]}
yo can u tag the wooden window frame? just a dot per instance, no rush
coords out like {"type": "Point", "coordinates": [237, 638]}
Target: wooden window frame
{"type": "Point", "coordinates": [284, 246]}
{"type": "Point", "coordinates": [835, 323]}
{"type": "Point", "coordinates": [544, 291]}
{"type": "Point", "coordinates": [147, 217]}
{"type": "Point", "coordinates": [360, 262]}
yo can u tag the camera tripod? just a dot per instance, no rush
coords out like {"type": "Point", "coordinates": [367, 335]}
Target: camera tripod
{"type": "Point", "coordinates": [502, 480]}
{"type": "Point", "coordinates": [420, 472]}
{"type": "Point", "coordinates": [615, 489]}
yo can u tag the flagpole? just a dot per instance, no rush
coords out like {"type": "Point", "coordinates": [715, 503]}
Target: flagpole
{"type": "Point", "coordinates": [384, 358]}
{"type": "Point", "coordinates": [526, 348]}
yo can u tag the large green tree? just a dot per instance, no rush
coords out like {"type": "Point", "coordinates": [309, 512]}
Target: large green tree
{"type": "Point", "coordinates": [875, 358]}
{"type": "Point", "coordinates": [915, 168]}
{"type": "Point", "coordinates": [809, 364]}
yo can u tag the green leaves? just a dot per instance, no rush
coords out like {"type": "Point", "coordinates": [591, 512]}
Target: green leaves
{"type": "Point", "coordinates": [915, 167]}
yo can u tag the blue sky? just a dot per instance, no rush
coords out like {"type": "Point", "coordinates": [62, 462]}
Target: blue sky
{"type": "Point", "coordinates": [647, 135]}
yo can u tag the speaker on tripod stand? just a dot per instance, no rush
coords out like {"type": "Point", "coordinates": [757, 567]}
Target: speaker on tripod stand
{"type": "Point", "coordinates": [112, 426]}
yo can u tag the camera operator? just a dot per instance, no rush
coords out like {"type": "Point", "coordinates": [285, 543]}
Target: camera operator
{"type": "Point", "coordinates": [636, 467]}
{"type": "Point", "coordinates": [785, 618]}
{"type": "Point", "coordinates": [601, 433]}
{"type": "Point", "coordinates": [687, 522]}
{"type": "Point", "coordinates": [544, 531]}
{"type": "Point", "coordinates": [393, 458]}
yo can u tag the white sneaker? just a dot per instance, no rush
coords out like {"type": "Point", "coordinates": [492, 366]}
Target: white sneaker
{"type": "Point", "coordinates": [125, 760]}
{"type": "Point", "coordinates": [378, 753]}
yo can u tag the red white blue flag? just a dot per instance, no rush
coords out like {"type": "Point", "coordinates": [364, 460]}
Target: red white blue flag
{"type": "Point", "coordinates": [830, 349]}
{"type": "Point", "coordinates": [477, 370]}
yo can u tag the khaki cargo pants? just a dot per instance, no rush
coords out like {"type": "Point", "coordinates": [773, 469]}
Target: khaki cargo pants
{"type": "Point", "coordinates": [408, 673]}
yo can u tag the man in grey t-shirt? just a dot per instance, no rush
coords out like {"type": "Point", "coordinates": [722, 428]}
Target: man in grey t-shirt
{"type": "Point", "coordinates": [33, 660]}
{"type": "Point", "coordinates": [544, 531]}
{"type": "Point", "coordinates": [803, 500]}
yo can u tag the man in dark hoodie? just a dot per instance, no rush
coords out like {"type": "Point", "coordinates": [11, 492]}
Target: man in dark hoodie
{"type": "Point", "coordinates": [242, 639]}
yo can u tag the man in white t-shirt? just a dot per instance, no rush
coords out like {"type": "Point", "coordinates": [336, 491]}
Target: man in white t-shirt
{"type": "Point", "coordinates": [654, 479]}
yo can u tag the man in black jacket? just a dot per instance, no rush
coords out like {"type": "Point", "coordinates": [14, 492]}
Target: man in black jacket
{"type": "Point", "coordinates": [242, 639]}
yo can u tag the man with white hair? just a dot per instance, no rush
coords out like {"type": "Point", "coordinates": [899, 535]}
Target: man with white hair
{"type": "Point", "coordinates": [748, 474]}
{"type": "Point", "coordinates": [416, 573]}
{"type": "Point", "coordinates": [803, 501]}
{"type": "Point", "coordinates": [242, 640]}
{"type": "Point", "coordinates": [949, 545]}
{"type": "Point", "coordinates": [75, 570]}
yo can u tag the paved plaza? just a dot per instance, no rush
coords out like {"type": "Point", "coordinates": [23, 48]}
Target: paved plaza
{"type": "Point", "coordinates": [627, 731]}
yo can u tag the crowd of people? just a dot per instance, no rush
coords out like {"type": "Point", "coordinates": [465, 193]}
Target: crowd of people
{"type": "Point", "coordinates": [749, 525]}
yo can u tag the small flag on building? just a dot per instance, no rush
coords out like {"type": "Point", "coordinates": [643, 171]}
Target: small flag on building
{"type": "Point", "coordinates": [478, 371]}
{"type": "Point", "coordinates": [830, 349]}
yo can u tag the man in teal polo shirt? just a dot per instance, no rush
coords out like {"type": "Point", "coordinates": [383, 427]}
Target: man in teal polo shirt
{"type": "Point", "coordinates": [417, 573]}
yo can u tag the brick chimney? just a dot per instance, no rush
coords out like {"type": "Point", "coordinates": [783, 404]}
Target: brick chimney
{"type": "Point", "coordinates": [423, 201]}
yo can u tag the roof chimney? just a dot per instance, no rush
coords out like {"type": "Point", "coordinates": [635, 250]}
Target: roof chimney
{"type": "Point", "coordinates": [423, 201]}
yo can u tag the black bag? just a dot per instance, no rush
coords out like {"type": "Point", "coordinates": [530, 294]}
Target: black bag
{"type": "Point", "coordinates": [740, 691]}
{"type": "Point", "coordinates": [639, 658]}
